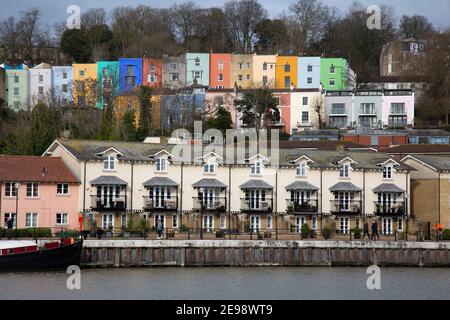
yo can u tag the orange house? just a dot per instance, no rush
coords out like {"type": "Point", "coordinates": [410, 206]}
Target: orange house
{"type": "Point", "coordinates": [152, 72]}
{"type": "Point", "coordinates": [220, 70]}
{"type": "Point", "coordinates": [286, 72]}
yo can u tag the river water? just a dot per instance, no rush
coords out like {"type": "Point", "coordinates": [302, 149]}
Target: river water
{"type": "Point", "coordinates": [230, 283]}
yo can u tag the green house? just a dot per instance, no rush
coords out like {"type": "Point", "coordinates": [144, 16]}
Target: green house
{"type": "Point", "coordinates": [108, 82]}
{"type": "Point", "coordinates": [334, 73]}
{"type": "Point", "coordinates": [16, 89]}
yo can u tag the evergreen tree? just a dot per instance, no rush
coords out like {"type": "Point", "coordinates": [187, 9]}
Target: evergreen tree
{"type": "Point", "coordinates": [222, 121]}
{"type": "Point", "coordinates": [146, 115]}
{"type": "Point", "coordinates": [128, 129]}
{"type": "Point", "coordinates": [45, 127]}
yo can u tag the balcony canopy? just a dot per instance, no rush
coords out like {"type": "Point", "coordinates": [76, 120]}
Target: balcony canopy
{"type": "Point", "coordinates": [108, 180]}
{"type": "Point", "coordinates": [302, 185]}
{"type": "Point", "coordinates": [388, 187]}
{"type": "Point", "coordinates": [209, 183]}
{"type": "Point", "coordinates": [345, 186]}
{"type": "Point", "coordinates": [160, 182]}
{"type": "Point", "coordinates": [256, 184]}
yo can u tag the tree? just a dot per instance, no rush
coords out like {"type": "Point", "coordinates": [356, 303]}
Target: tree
{"type": "Point", "coordinates": [272, 37]}
{"type": "Point", "coordinates": [258, 108]}
{"type": "Point", "coordinates": [128, 130]}
{"type": "Point", "coordinates": [144, 129]}
{"type": "Point", "coordinates": [186, 20]}
{"type": "Point", "coordinates": [222, 121]}
{"type": "Point", "coordinates": [242, 17]}
{"type": "Point", "coordinates": [74, 44]}
{"type": "Point", "coordinates": [98, 34]}
{"type": "Point", "coordinates": [45, 128]}
{"type": "Point", "coordinates": [417, 27]}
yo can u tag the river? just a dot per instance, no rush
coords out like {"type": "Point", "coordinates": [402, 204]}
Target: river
{"type": "Point", "coordinates": [230, 283]}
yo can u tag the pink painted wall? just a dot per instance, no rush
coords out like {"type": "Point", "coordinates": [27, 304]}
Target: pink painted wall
{"type": "Point", "coordinates": [46, 205]}
{"type": "Point", "coordinates": [285, 110]}
{"type": "Point", "coordinates": [409, 107]}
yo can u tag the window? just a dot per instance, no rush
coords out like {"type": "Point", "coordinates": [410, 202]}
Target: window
{"type": "Point", "coordinates": [40, 90]}
{"type": "Point", "coordinates": [209, 168]}
{"type": "Point", "coordinates": [62, 188]}
{"type": "Point", "coordinates": [287, 82]}
{"type": "Point", "coordinates": [397, 108]}
{"type": "Point", "coordinates": [338, 108]}
{"type": "Point", "coordinates": [264, 79]}
{"type": "Point", "coordinates": [387, 226]}
{"type": "Point", "coordinates": [64, 75]}
{"type": "Point", "coordinates": [264, 66]}
{"type": "Point", "coordinates": [81, 86]}
{"type": "Point", "coordinates": [277, 99]}
{"type": "Point", "coordinates": [152, 78]}
{"type": "Point", "coordinates": [367, 108]}
{"type": "Point", "coordinates": [332, 82]}
{"type": "Point", "coordinates": [240, 77]}
{"type": "Point", "coordinates": [41, 78]}
{"type": "Point", "coordinates": [16, 79]}
{"type": "Point", "coordinates": [343, 172]}
{"type": "Point", "coordinates": [256, 167]}
{"type": "Point", "coordinates": [269, 222]}
{"type": "Point", "coordinates": [81, 73]}
{"type": "Point", "coordinates": [299, 221]}
{"type": "Point", "coordinates": [64, 88]}
{"type": "Point", "coordinates": [220, 66]}
{"type": "Point", "coordinates": [197, 62]}
{"type": "Point", "coordinates": [31, 220]}
{"type": "Point", "coordinates": [305, 101]}
{"type": "Point", "coordinates": [173, 66]}
{"type": "Point", "coordinates": [32, 189]}
{"type": "Point", "coordinates": [10, 189]}
{"type": "Point", "coordinates": [338, 122]}
{"type": "Point", "coordinates": [248, 77]}
{"type": "Point", "coordinates": [248, 65]}
{"type": "Point", "coordinates": [309, 80]}
{"type": "Point", "coordinates": [123, 220]}
{"type": "Point", "coordinates": [287, 68]}
{"type": "Point", "coordinates": [305, 117]}
{"type": "Point", "coordinates": [197, 75]}
{"type": "Point", "coordinates": [130, 71]}
{"type": "Point", "coordinates": [387, 172]}
{"type": "Point", "coordinates": [400, 225]}
{"type": "Point", "coordinates": [310, 68]}
{"type": "Point", "coordinates": [301, 170]}
{"type": "Point", "coordinates": [314, 223]}
{"type": "Point", "coordinates": [223, 221]}
{"type": "Point", "coordinates": [174, 77]}
{"type": "Point", "coordinates": [220, 78]}
{"type": "Point", "coordinates": [332, 69]}
{"type": "Point", "coordinates": [107, 221]}
{"type": "Point", "coordinates": [16, 104]}
{"type": "Point", "coordinates": [61, 218]}
{"type": "Point", "coordinates": [160, 164]}
{"type": "Point", "coordinates": [240, 66]}
{"type": "Point", "coordinates": [109, 163]}
{"type": "Point", "coordinates": [175, 221]}
{"type": "Point", "coordinates": [344, 225]}
{"type": "Point", "coordinates": [7, 216]}
{"type": "Point", "coordinates": [16, 91]}
{"type": "Point", "coordinates": [152, 67]}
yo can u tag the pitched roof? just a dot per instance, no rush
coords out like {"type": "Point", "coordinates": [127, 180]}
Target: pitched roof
{"type": "Point", "coordinates": [255, 184]}
{"type": "Point", "coordinates": [345, 186]}
{"type": "Point", "coordinates": [35, 169]}
{"type": "Point", "coordinates": [209, 183]}
{"type": "Point", "coordinates": [419, 148]}
{"type": "Point", "coordinates": [388, 187]}
{"type": "Point", "coordinates": [301, 185]}
{"type": "Point", "coordinates": [160, 181]}
{"type": "Point", "coordinates": [438, 162]}
{"type": "Point", "coordinates": [108, 180]}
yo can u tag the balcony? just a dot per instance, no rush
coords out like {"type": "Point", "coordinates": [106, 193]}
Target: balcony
{"type": "Point", "coordinates": [256, 205]}
{"type": "Point", "coordinates": [216, 204]}
{"type": "Point", "coordinates": [308, 206]}
{"type": "Point", "coordinates": [160, 203]}
{"type": "Point", "coordinates": [277, 123]}
{"type": "Point", "coordinates": [345, 207]}
{"type": "Point", "coordinates": [395, 208]}
{"type": "Point", "coordinates": [117, 203]}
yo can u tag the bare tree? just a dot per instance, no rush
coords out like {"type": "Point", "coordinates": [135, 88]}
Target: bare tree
{"type": "Point", "coordinates": [242, 17]}
{"type": "Point", "coordinates": [417, 27]}
{"type": "Point", "coordinates": [318, 104]}
{"type": "Point", "coordinates": [185, 20]}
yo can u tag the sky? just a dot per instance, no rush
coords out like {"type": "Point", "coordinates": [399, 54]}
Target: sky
{"type": "Point", "coordinates": [437, 11]}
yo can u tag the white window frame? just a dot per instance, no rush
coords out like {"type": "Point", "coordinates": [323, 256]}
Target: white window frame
{"type": "Point", "coordinates": [220, 65]}
{"type": "Point", "coordinates": [160, 164]}
{"type": "Point", "coordinates": [255, 168]}
{"type": "Point", "coordinates": [208, 223]}
{"type": "Point", "coordinates": [34, 188]}
{"type": "Point", "coordinates": [6, 216]}
{"type": "Point", "coordinates": [269, 222]}
{"type": "Point", "coordinates": [314, 222]}
{"type": "Point", "coordinates": [209, 167]}
{"type": "Point", "coordinates": [301, 169]}
{"type": "Point", "coordinates": [220, 77]}
{"type": "Point", "coordinates": [400, 224]}
{"type": "Point", "coordinates": [31, 220]}
{"type": "Point", "coordinates": [387, 226]}
{"type": "Point", "coordinates": [123, 220]}
{"type": "Point", "coordinates": [174, 77]}
{"type": "Point", "coordinates": [63, 217]}
{"type": "Point", "coordinates": [109, 163]}
{"type": "Point", "coordinates": [307, 117]}
{"type": "Point", "coordinates": [299, 221]}
{"type": "Point", "coordinates": [10, 189]}
{"type": "Point", "coordinates": [344, 225]}
{"type": "Point", "coordinates": [223, 221]}
{"type": "Point", "coordinates": [64, 190]}
{"type": "Point", "coordinates": [388, 172]}
{"type": "Point", "coordinates": [108, 221]}
{"type": "Point", "coordinates": [344, 171]}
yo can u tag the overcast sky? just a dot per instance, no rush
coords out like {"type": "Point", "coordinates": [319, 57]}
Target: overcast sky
{"type": "Point", "coordinates": [437, 11]}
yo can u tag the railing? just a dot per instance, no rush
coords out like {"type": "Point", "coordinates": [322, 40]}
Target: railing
{"type": "Point", "coordinates": [160, 203]}
{"type": "Point", "coordinates": [278, 123]}
{"type": "Point", "coordinates": [396, 208]}
{"type": "Point", "coordinates": [256, 205]}
{"type": "Point", "coordinates": [301, 206]}
{"type": "Point", "coordinates": [351, 206]}
{"type": "Point", "coordinates": [218, 204]}
{"type": "Point", "coordinates": [107, 203]}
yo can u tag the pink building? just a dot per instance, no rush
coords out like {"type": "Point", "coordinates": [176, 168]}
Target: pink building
{"type": "Point", "coordinates": [398, 108]}
{"type": "Point", "coordinates": [47, 193]}
{"type": "Point", "coordinates": [284, 106]}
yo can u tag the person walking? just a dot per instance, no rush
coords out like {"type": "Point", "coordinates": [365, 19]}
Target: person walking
{"type": "Point", "coordinates": [9, 225]}
{"type": "Point", "coordinates": [375, 230]}
{"type": "Point", "coordinates": [159, 228]}
{"type": "Point", "coordinates": [366, 230]}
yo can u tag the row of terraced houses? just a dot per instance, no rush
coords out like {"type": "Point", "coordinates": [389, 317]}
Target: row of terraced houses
{"type": "Point", "coordinates": [109, 183]}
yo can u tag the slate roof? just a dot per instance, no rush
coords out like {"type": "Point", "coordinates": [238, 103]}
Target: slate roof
{"type": "Point", "coordinates": [345, 186]}
{"type": "Point", "coordinates": [255, 184]}
{"type": "Point", "coordinates": [301, 185]}
{"type": "Point", "coordinates": [209, 183]}
{"type": "Point", "coordinates": [388, 187]}
{"type": "Point", "coordinates": [439, 162]}
{"type": "Point", "coordinates": [108, 180]}
{"type": "Point", "coordinates": [160, 181]}
{"type": "Point", "coordinates": [419, 148]}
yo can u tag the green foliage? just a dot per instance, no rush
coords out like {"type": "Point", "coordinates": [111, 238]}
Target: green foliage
{"type": "Point", "coordinates": [446, 234]}
{"type": "Point", "coordinates": [45, 127]}
{"type": "Point", "coordinates": [27, 233]}
{"type": "Point", "coordinates": [183, 228]}
{"type": "Point", "coordinates": [146, 111]}
{"type": "Point", "coordinates": [143, 223]}
{"type": "Point", "coordinates": [305, 231]}
{"type": "Point", "coordinates": [128, 130]}
{"type": "Point", "coordinates": [326, 232]}
{"type": "Point", "coordinates": [74, 44]}
{"type": "Point", "coordinates": [68, 234]}
{"type": "Point", "coordinates": [222, 121]}
{"type": "Point", "coordinates": [356, 233]}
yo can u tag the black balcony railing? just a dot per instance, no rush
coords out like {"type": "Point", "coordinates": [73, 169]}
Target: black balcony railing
{"type": "Point", "coordinates": [297, 206]}
{"type": "Point", "coordinates": [256, 205]}
{"type": "Point", "coordinates": [106, 203]}
{"type": "Point", "coordinates": [218, 204]}
{"type": "Point", "coordinates": [160, 203]}
{"type": "Point", "coordinates": [347, 207]}
{"type": "Point", "coordinates": [396, 208]}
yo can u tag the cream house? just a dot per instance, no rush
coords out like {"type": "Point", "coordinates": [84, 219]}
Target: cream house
{"type": "Point", "coordinates": [146, 181]}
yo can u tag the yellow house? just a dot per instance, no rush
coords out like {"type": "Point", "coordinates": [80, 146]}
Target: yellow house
{"type": "Point", "coordinates": [125, 103]}
{"type": "Point", "coordinates": [286, 72]}
{"type": "Point", "coordinates": [85, 86]}
{"type": "Point", "coordinates": [242, 70]}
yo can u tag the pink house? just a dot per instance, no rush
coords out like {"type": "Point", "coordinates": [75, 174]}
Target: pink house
{"type": "Point", "coordinates": [398, 108]}
{"type": "Point", "coordinates": [284, 106]}
{"type": "Point", "coordinates": [47, 194]}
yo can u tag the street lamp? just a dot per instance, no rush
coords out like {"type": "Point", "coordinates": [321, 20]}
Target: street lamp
{"type": "Point", "coordinates": [16, 187]}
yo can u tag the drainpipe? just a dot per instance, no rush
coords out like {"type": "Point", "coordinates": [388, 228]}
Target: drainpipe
{"type": "Point", "coordinates": [321, 194]}
{"type": "Point", "coordinates": [229, 199]}
{"type": "Point", "coordinates": [131, 189]}
{"type": "Point", "coordinates": [84, 188]}
{"type": "Point", "coordinates": [180, 204]}
{"type": "Point", "coordinates": [407, 204]}
{"type": "Point", "coordinates": [364, 194]}
{"type": "Point", "coordinates": [439, 198]}
{"type": "Point", "coordinates": [276, 200]}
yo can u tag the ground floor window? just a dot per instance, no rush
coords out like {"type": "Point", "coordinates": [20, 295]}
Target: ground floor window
{"type": "Point", "coordinates": [255, 223]}
{"type": "Point", "coordinates": [31, 220]}
{"type": "Point", "coordinates": [123, 220]}
{"type": "Point", "coordinates": [357, 223]}
{"type": "Point", "coordinates": [400, 224]}
{"type": "Point", "coordinates": [314, 223]}
{"type": "Point", "coordinates": [208, 223]}
{"type": "Point", "coordinates": [175, 220]}
{"type": "Point", "coordinates": [299, 221]}
{"type": "Point", "coordinates": [387, 226]}
{"type": "Point", "coordinates": [161, 217]}
{"type": "Point", "coordinates": [61, 218]}
{"type": "Point", "coordinates": [269, 222]}
{"type": "Point", "coordinates": [107, 221]}
{"type": "Point", "coordinates": [344, 225]}
{"type": "Point", "coordinates": [7, 216]}
{"type": "Point", "coordinates": [223, 221]}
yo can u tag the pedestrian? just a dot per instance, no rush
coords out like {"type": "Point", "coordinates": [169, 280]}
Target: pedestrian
{"type": "Point", "coordinates": [375, 230]}
{"type": "Point", "coordinates": [366, 230]}
{"type": "Point", "coordinates": [159, 228]}
{"type": "Point", "coordinates": [9, 225]}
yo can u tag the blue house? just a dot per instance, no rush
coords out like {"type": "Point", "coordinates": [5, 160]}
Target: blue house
{"type": "Point", "coordinates": [62, 83]}
{"type": "Point", "coordinates": [130, 75]}
{"type": "Point", "coordinates": [308, 73]}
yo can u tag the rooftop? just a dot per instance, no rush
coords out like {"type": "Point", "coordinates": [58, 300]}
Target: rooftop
{"type": "Point", "coordinates": [419, 149]}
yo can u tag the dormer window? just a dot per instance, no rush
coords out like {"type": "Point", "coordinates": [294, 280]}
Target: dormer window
{"type": "Point", "coordinates": [160, 164]}
{"type": "Point", "coordinates": [387, 172]}
{"type": "Point", "coordinates": [343, 172]}
{"type": "Point", "coordinates": [256, 167]}
{"type": "Point", "coordinates": [109, 163]}
{"type": "Point", "coordinates": [301, 170]}
{"type": "Point", "coordinates": [209, 167]}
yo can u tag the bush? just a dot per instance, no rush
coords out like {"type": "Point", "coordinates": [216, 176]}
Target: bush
{"type": "Point", "coordinates": [446, 234]}
{"type": "Point", "coordinates": [184, 228]}
{"type": "Point", "coordinates": [31, 233]}
{"type": "Point", "coordinates": [68, 234]}
{"type": "Point", "coordinates": [305, 230]}
{"type": "Point", "coordinates": [356, 233]}
{"type": "Point", "coordinates": [326, 232]}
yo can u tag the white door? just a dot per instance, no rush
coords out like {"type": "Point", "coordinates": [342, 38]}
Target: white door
{"type": "Point", "coordinates": [344, 225]}
{"type": "Point", "coordinates": [209, 197]}
{"type": "Point", "coordinates": [107, 221]}
{"type": "Point", "coordinates": [299, 221]}
{"type": "Point", "coordinates": [208, 223]}
{"type": "Point", "coordinates": [387, 226]}
{"type": "Point", "coordinates": [255, 223]}
{"type": "Point", "coordinates": [163, 220]}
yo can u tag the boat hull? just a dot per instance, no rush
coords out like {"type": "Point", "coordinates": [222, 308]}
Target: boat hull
{"type": "Point", "coordinates": [50, 259]}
